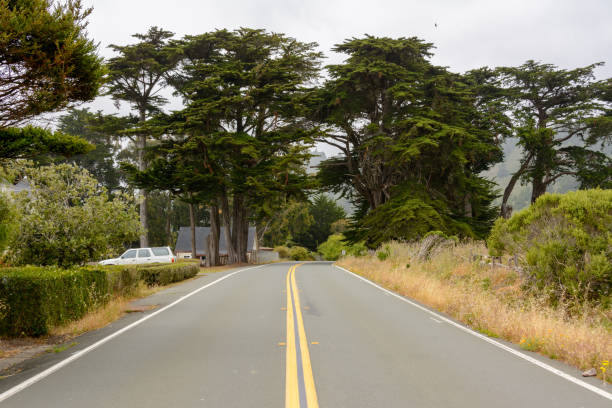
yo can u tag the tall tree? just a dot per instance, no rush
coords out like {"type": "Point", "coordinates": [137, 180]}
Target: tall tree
{"type": "Point", "coordinates": [242, 90]}
{"type": "Point", "coordinates": [136, 76]}
{"type": "Point", "coordinates": [46, 64]}
{"type": "Point", "coordinates": [404, 127]}
{"type": "Point", "coordinates": [46, 60]}
{"type": "Point", "coordinates": [101, 162]}
{"type": "Point", "coordinates": [561, 121]}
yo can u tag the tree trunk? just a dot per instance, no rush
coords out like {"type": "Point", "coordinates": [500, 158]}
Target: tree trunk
{"type": "Point", "coordinates": [538, 188]}
{"type": "Point", "coordinates": [144, 239]}
{"type": "Point", "coordinates": [168, 223]}
{"type": "Point", "coordinates": [506, 210]}
{"type": "Point", "coordinates": [227, 226]}
{"type": "Point", "coordinates": [239, 226]}
{"type": "Point", "coordinates": [193, 231]}
{"type": "Point", "coordinates": [467, 203]}
{"type": "Point", "coordinates": [212, 253]}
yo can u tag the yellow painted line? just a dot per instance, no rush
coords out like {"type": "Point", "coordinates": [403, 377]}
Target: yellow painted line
{"type": "Point", "coordinates": [292, 398]}
{"type": "Point", "coordinates": [314, 342]}
{"type": "Point", "coordinates": [281, 343]}
{"type": "Point", "coordinates": [311, 391]}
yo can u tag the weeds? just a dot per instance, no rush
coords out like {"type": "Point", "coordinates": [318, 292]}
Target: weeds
{"type": "Point", "coordinates": [494, 301]}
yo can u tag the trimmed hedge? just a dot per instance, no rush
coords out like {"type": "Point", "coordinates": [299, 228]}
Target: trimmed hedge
{"type": "Point", "coordinates": [33, 299]}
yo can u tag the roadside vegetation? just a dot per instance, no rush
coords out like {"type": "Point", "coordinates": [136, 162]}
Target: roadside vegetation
{"type": "Point", "coordinates": [555, 302]}
{"type": "Point", "coordinates": [35, 299]}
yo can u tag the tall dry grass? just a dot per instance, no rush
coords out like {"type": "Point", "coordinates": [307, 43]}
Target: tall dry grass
{"type": "Point", "coordinates": [491, 300]}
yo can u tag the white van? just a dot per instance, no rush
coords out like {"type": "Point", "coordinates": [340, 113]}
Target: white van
{"type": "Point", "coordinates": [142, 256]}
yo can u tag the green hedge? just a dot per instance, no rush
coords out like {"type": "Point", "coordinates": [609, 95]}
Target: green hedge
{"type": "Point", "coordinates": [33, 299]}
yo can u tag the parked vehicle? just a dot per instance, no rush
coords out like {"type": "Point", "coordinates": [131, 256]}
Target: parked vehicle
{"type": "Point", "coordinates": [142, 256]}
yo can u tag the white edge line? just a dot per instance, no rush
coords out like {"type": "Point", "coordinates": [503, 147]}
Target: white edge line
{"type": "Point", "coordinates": [532, 360]}
{"type": "Point", "coordinates": [32, 380]}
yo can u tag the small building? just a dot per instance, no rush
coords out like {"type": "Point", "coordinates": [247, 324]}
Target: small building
{"type": "Point", "coordinates": [183, 243]}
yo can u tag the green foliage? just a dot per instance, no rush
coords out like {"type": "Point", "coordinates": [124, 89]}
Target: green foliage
{"type": "Point", "coordinates": [304, 223]}
{"type": "Point", "coordinates": [404, 124]}
{"type": "Point", "coordinates": [324, 212]}
{"type": "Point", "coordinates": [43, 45]}
{"type": "Point", "coordinates": [283, 252]}
{"type": "Point", "coordinates": [32, 142]}
{"type": "Point", "coordinates": [409, 216]}
{"type": "Point", "coordinates": [138, 73]}
{"type": "Point", "coordinates": [565, 242]}
{"type": "Point", "coordinates": [101, 161]}
{"type": "Point", "coordinates": [67, 219]}
{"type": "Point", "coordinates": [294, 220]}
{"type": "Point", "coordinates": [383, 253]}
{"type": "Point", "coordinates": [7, 220]}
{"type": "Point", "coordinates": [332, 249]}
{"type": "Point", "coordinates": [298, 253]}
{"type": "Point", "coordinates": [169, 273]}
{"type": "Point", "coordinates": [561, 120]}
{"type": "Point", "coordinates": [34, 299]}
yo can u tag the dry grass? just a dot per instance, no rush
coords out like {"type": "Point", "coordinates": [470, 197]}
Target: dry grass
{"type": "Point", "coordinates": [491, 301]}
{"type": "Point", "coordinates": [96, 319]}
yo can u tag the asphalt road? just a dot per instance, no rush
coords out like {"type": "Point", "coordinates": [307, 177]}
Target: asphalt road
{"type": "Point", "coordinates": [280, 335]}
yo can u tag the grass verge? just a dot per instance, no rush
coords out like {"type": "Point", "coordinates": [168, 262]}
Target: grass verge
{"type": "Point", "coordinates": [493, 301]}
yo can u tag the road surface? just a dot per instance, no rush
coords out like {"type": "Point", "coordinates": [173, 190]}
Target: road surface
{"type": "Point", "coordinates": [279, 335]}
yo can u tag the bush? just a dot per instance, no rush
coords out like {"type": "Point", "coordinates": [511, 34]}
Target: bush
{"type": "Point", "coordinates": [331, 249]}
{"type": "Point", "coordinates": [383, 253]}
{"type": "Point", "coordinates": [33, 299]}
{"type": "Point", "coordinates": [298, 253]}
{"type": "Point", "coordinates": [67, 219]}
{"type": "Point", "coordinates": [283, 252]}
{"type": "Point", "coordinates": [565, 243]}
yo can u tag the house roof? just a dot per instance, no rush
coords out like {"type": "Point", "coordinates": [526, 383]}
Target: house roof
{"type": "Point", "coordinates": [183, 241]}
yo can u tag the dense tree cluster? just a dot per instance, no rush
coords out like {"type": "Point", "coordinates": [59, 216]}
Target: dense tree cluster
{"type": "Point", "coordinates": [414, 138]}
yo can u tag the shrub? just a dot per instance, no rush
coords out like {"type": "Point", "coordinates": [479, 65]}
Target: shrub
{"type": "Point", "coordinates": [283, 252]}
{"type": "Point", "coordinates": [33, 299]}
{"type": "Point", "coordinates": [67, 219]}
{"type": "Point", "coordinates": [565, 243]}
{"type": "Point", "coordinates": [331, 249]}
{"type": "Point", "coordinates": [383, 253]}
{"type": "Point", "coordinates": [298, 253]}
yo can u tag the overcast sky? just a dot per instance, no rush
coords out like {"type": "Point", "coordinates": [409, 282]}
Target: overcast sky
{"type": "Point", "coordinates": [469, 33]}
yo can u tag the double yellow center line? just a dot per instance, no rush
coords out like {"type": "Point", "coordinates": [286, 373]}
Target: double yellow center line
{"type": "Point", "coordinates": [300, 389]}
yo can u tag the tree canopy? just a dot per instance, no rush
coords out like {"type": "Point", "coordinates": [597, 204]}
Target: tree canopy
{"type": "Point", "coordinates": [46, 60]}
{"type": "Point", "coordinates": [400, 121]}
{"type": "Point", "coordinates": [561, 120]}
